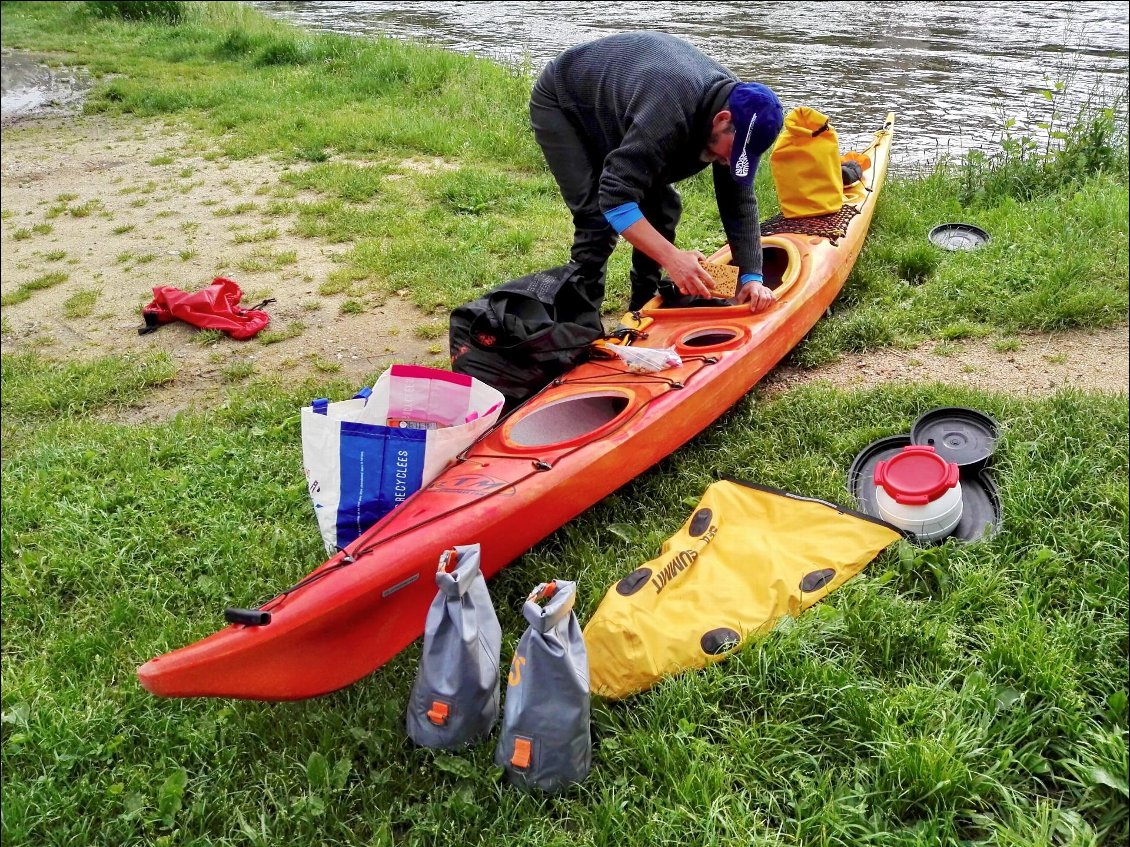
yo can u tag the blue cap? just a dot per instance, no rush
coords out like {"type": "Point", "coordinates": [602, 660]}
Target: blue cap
{"type": "Point", "coordinates": [757, 116]}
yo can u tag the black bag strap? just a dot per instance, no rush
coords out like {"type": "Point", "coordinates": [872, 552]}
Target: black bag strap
{"type": "Point", "coordinates": [543, 286]}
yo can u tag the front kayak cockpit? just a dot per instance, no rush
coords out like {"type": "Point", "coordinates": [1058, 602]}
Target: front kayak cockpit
{"type": "Point", "coordinates": [574, 418]}
{"type": "Point", "coordinates": [782, 264]}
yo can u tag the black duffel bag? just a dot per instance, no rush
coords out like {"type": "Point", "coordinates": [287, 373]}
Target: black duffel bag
{"type": "Point", "coordinates": [520, 336]}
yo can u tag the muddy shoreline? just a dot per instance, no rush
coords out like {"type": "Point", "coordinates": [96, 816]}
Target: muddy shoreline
{"type": "Point", "coordinates": [33, 88]}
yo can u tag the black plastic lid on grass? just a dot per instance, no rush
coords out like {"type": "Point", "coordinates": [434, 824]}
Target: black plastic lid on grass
{"type": "Point", "coordinates": [861, 475]}
{"type": "Point", "coordinates": [958, 236]}
{"type": "Point", "coordinates": [981, 512]}
{"type": "Point", "coordinates": [980, 507]}
{"type": "Point", "coordinates": [965, 437]}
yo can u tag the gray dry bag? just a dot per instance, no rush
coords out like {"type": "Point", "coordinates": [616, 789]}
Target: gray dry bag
{"type": "Point", "coordinates": [545, 741]}
{"type": "Point", "coordinates": [454, 700]}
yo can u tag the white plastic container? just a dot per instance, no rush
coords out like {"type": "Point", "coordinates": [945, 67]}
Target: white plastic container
{"type": "Point", "coordinates": [920, 492]}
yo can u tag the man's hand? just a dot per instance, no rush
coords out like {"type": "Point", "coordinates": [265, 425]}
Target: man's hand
{"type": "Point", "coordinates": [683, 266]}
{"type": "Point", "coordinates": [757, 295]}
{"type": "Point", "coordinates": [686, 271]}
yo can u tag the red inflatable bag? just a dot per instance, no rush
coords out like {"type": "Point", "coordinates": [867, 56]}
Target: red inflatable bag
{"type": "Point", "coordinates": [214, 307]}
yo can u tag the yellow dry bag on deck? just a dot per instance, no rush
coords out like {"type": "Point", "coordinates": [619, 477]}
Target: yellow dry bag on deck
{"type": "Point", "coordinates": [747, 556]}
{"type": "Point", "coordinates": [806, 166]}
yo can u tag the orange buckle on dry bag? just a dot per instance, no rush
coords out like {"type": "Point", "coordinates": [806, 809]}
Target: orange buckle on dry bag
{"type": "Point", "coordinates": [438, 713]}
{"type": "Point", "coordinates": [446, 560]}
{"type": "Point", "coordinates": [543, 592]}
{"type": "Point", "coordinates": [523, 752]}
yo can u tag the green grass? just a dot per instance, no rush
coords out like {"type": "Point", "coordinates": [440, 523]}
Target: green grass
{"type": "Point", "coordinates": [960, 694]}
{"type": "Point", "coordinates": [431, 331]}
{"type": "Point", "coordinates": [48, 390]}
{"type": "Point", "coordinates": [352, 307]}
{"type": "Point", "coordinates": [254, 236]}
{"type": "Point", "coordinates": [81, 304]}
{"type": "Point", "coordinates": [324, 365]}
{"type": "Point", "coordinates": [84, 210]}
{"type": "Point", "coordinates": [263, 259]}
{"type": "Point", "coordinates": [237, 371]}
{"type": "Point", "coordinates": [24, 233]}
{"type": "Point", "coordinates": [956, 695]}
{"type": "Point", "coordinates": [238, 209]}
{"type": "Point", "coordinates": [350, 113]}
{"type": "Point", "coordinates": [1055, 262]}
{"type": "Point", "coordinates": [26, 289]}
{"type": "Point", "coordinates": [207, 337]}
{"type": "Point", "coordinates": [273, 336]}
{"type": "Point", "coordinates": [351, 183]}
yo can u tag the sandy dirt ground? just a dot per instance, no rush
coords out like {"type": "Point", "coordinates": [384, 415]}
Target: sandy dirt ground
{"type": "Point", "coordinates": [114, 209]}
{"type": "Point", "coordinates": [98, 211]}
{"type": "Point", "coordinates": [1041, 364]}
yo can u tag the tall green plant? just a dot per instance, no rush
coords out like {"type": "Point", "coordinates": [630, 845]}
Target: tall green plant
{"type": "Point", "coordinates": [167, 11]}
{"type": "Point", "coordinates": [1073, 147]}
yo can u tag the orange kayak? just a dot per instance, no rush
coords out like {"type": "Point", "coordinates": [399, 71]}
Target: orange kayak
{"type": "Point", "coordinates": [567, 447]}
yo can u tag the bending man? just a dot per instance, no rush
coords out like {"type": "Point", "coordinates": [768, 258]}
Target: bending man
{"type": "Point", "coordinates": [619, 120]}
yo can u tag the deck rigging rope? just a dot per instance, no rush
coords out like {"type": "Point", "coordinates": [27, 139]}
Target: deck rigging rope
{"type": "Point", "coordinates": [369, 542]}
{"type": "Point", "coordinates": [833, 226]}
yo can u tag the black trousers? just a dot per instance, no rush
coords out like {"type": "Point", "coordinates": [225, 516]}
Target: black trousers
{"type": "Point", "coordinates": [577, 170]}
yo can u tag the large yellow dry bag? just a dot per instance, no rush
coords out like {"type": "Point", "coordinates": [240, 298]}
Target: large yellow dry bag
{"type": "Point", "coordinates": [806, 166]}
{"type": "Point", "coordinates": [747, 556]}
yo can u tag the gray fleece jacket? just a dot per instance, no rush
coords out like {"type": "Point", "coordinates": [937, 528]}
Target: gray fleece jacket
{"type": "Point", "coordinates": [645, 102]}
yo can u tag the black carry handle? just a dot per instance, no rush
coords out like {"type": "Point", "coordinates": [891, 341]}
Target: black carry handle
{"type": "Point", "coordinates": [247, 617]}
{"type": "Point", "coordinates": [150, 325]}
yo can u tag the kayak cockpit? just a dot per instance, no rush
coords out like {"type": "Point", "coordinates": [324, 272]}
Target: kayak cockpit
{"type": "Point", "coordinates": [567, 420]}
{"type": "Point", "coordinates": [781, 267]}
{"type": "Point", "coordinates": [778, 265]}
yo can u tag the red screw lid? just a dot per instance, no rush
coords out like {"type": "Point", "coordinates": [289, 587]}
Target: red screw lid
{"type": "Point", "coordinates": [916, 475]}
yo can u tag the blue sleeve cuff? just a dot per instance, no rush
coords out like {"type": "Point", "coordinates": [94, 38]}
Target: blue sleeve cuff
{"type": "Point", "coordinates": [744, 278]}
{"type": "Point", "coordinates": [623, 216]}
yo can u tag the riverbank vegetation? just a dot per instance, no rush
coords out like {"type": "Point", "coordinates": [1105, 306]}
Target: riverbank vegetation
{"type": "Point", "coordinates": [958, 694]}
{"type": "Point", "coordinates": [343, 114]}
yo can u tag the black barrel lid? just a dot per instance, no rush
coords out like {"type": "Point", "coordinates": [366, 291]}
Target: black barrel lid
{"type": "Point", "coordinates": [980, 507]}
{"type": "Point", "coordinates": [980, 497]}
{"type": "Point", "coordinates": [965, 437]}
{"type": "Point", "coordinates": [861, 475]}
{"type": "Point", "coordinates": [959, 236]}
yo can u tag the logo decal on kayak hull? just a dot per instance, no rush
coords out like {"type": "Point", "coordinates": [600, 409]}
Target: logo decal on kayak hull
{"type": "Point", "coordinates": [472, 485]}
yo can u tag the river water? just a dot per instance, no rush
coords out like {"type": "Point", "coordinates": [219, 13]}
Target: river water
{"type": "Point", "coordinates": [952, 72]}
